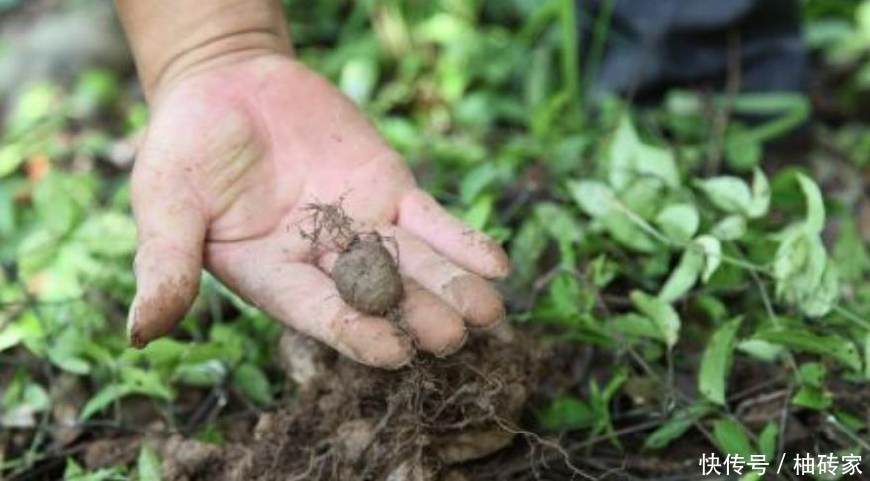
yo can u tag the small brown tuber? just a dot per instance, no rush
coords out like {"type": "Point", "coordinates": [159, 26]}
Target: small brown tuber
{"type": "Point", "coordinates": [367, 277]}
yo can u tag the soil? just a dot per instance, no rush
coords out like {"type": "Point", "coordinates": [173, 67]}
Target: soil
{"type": "Point", "coordinates": [368, 278]}
{"type": "Point", "coordinates": [354, 422]}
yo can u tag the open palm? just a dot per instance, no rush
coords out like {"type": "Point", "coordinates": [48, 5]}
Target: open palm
{"type": "Point", "coordinates": [231, 159]}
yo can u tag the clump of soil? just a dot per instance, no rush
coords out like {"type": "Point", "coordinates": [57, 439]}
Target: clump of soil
{"type": "Point", "coordinates": [351, 422]}
{"type": "Point", "coordinates": [368, 278]}
{"type": "Point", "coordinates": [366, 275]}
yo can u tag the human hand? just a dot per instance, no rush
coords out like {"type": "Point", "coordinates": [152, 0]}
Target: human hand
{"type": "Point", "coordinates": [233, 155]}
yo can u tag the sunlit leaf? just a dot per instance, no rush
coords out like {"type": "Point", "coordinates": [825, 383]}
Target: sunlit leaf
{"type": "Point", "coordinates": [760, 203]}
{"type": "Point", "coordinates": [251, 381]}
{"type": "Point", "coordinates": [676, 426]}
{"type": "Point", "coordinates": [679, 221]}
{"type": "Point", "coordinates": [664, 316]}
{"type": "Point", "coordinates": [567, 413]}
{"type": "Point", "coordinates": [731, 194]}
{"type": "Point", "coordinates": [732, 227]}
{"type": "Point", "coordinates": [815, 218]}
{"type": "Point", "coordinates": [683, 276]}
{"type": "Point", "coordinates": [594, 198]}
{"type": "Point", "coordinates": [831, 346]}
{"type": "Point", "coordinates": [716, 362]}
{"type": "Point", "coordinates": [731, 438]}
{"type": "Point", "coordinates": [149, 466]}
{"type": "Point", "coordinates": [631, 158]}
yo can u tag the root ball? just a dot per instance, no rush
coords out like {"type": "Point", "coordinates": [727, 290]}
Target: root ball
{"type": "Point", "coordinates": [367, 278]}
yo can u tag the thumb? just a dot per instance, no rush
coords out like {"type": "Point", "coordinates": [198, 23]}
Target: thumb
{"type": "Point", "coordinates": [171, 227]}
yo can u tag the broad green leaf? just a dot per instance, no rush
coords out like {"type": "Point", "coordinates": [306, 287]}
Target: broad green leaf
{"type": "Point", "coordinates": [202, 374]}
{"type": "Point", "coordinates": [55, 205]}
{"type": "Point", "coordinates": [731, 194]}
{"type": "Point", "coordinates": [684, 276]}
{"type": "Point", "coordinates": [731, 438]}
{"type": "Point", "coordinates": [358, 78]}
{"type": "Point", "coordinates": [760, 203]}
{"type": "Point", "coordinates": [679, 221]}
{"type": "Point", "coordinates": [821, 300]}
{"type": "Point", "coordinates": [811, 374]}
{"type": "Point", "coordinates": [712, 255]}
{"type": "Point", "coordinates": [716, 362]}
{"type": "Point", "coordinates": [627, 232]}
{"type": "Point", "coordinates": [11, 157]}
{"type": "Point", "coordinates": [730, 228]}
{"type": "Point", "coordinates": [148, 466]}
{"type": "Point", "coordinates": [831, 346]}
{"type": "Point", "coordinates": [476, 181]}
{"type": "Point", "coordinates": [251, 381]}
{"type": "Point", "coordinates": [767, 439]}
{"type": "Point", "coordinates": [108, 233]}
{"type": "Point", "coordinates": [105, 397]}
{"type": "Point", "coordinates": [478, 214]}
{"type": "Point", "coordinates": [762, 350]}
{"type": "Point", "coordinates": [635, 325]}
{"type": "Point", "coordinates": [630, 158]}
{"type": "Point", "coordinates": [812, 397]}
{"type": "Point", "coordinates": [559, 222]}
{"type": "Point", "coordinates": [594, 198]}
{"type": "Point", "coordinates": [800, 268]}
{"type": "Point", "coordinates": [815, 220]}
{"type": "Point", "coordinates": [676, 426]}
{"type": "Point", "coordinates": [662, 314]}
{"type": "Point", "coordinates": [567, 413]}
{"type": "Point", "coordinates": [742, 151]}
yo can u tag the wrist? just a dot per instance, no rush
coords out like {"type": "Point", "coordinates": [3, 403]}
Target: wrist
{"type": "Point", "coordinates": [172, 39]}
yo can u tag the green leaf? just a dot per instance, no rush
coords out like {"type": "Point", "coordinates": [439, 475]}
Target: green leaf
{"type": "Point", "coordinates": [712, 255]}
{"type": "Point", "coordinates": [683, 277]}
{"type": "Point", "coordinates": [663, 315]}
{"type": "Point", "coordinates": [767, 439]}
{"type": "Point", "coordinates": [731, 438]}
{"type": "Point", "coordinates": [567, 413]}
{"type": "Point", "coordinates": [760, 203]}
{"type": "Point", "coordinates": [149, 466]}
{"type": "Point", "coordinates": [105, 397]}
{"type": "Point", "coordinates": [55, 205]}
{"type": "Point", "coordinates": [812, 397]}
{"type": "Point", "coordinates": [635, 325]}
{"type": "Point", "coordinates": [11, 156]}
{"type": "Point", "coordinates": [831, 346]}
{"type": "Point", "coordinates": [630, 158]}
{"type": "Point", "coordinates": [811, 374]}
{"type": "Point", "coordinates": [815, 219]}
{"type": "Point", "coordinates": [804, 277]}
{"type": "Point", "coordinates": [742, 151]}
{"type": "Point", "coordinates": [358, 78]}
{"type": "Point", "coordinates": [716, 362]}
{"type": "Point", "coordinates": [679, 221]}
{"type": "Point", "coordinates": [730, 228]}
{"type": "Point", "coordinates": [762, 350]}
{"type": "Point", "coordinates": [730, 194]}
{"type": "Point", "coordinates": [593, 197]}
{"type": "Point", "coordinates": [676, 426]}
{"type": "Point", "coordinates": [108, 233]}
{"type": "Point", "coordinates": [202, 374]}
{"type": "Point", "coordinates": [251, 381]}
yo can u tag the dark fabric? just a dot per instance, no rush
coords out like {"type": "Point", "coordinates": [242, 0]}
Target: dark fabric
{"type": "Point", "coordinates": [654, 45]}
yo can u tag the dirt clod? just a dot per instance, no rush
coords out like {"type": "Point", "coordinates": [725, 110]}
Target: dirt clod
{"type": "Point", "coordinates": [367, 277]}
{"type": "Point", "coordinates": [351, 422]}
